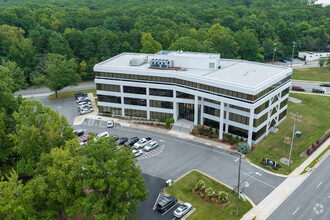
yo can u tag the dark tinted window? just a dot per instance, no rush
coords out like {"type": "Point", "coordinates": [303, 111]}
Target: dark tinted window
{"type": "Point", "coordinates": [135, 90]}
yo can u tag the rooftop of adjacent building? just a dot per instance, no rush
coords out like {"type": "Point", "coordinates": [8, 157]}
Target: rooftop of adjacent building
{"type": "Point", "coordinates": [232, 72]}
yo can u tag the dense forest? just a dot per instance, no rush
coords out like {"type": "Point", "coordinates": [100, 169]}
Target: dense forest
{"type": "Point", "coordinates": [88, 31]}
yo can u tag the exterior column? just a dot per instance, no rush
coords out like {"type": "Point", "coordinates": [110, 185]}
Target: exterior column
{"type": "Point", "coordinates": [122, 100]}
{"type": "Point", "coordinates": [221, 120]}
{"type": "Point", "coordinates": [196, 111]}
{"type": "Point", "coordinates": [227, 118]}
{"type": "Point", "coordinates": [202, 110]}
{"type": "Point", "coordinates": [175, 106]}
{"type": "Point", "coordinates": [268, 114]}
{"type": "Point", "coordinates": [148, 104]}
{"type": "Point", "coordinates": [251, 118]}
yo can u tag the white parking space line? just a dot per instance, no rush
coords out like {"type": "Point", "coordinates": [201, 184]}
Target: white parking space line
{"type": "Point", "coordinates": [295, 211]}
{"type": "Point", "coordinates": [236, 159]}
{"type": "Point", "coordinates": [319, 184]}
{"type": "Point", "coordinates": [260, 180]}
{"type": "Point", "coordinates": [91, 122]}
{"type": "Point", "coordinates": [169, 209]}
{"type": "Point", "coordinates": [155, 205]}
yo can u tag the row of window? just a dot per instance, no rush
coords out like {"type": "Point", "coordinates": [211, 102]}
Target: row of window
{"type": "Point", "coordinates": [110, 110]}
{"type": "Point", "coordinates": [161, 92]}
{"type": "Point", "coordinates": [135, 113]}
{"type": "Point", "coordinates": [239, 118]}
{"type": "Point", "coordinates": [108, 98]}
{"type": "Point", "coordinates": [211, 111]}
{"type": "Point", "coordinates": [161, 104]}
{"type": "Point", "coordinates": [193, 85]}
{"type": "Point", "coordinates": [106, 87]}
{"type": "Point", "coordinates": [160, 115]}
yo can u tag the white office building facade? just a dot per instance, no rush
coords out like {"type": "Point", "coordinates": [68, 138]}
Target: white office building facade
{"type": "Point", "coordinates": [242, 98]}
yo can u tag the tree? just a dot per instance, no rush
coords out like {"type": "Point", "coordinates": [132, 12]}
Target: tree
{"type": "Point", "coordinates": [17, 74]}
{"type": "Point", "coordinates": [59, 45]}
{"type": "Point", "coordinates": [111, 181]}
{"type": "Point", "coordinates": [38, 130]}
{"type": "Point", "coordinates": [322, 61]}
{"type": "Point", "coordinates": [60, 72]}
{"type": "Point", "coordinates": [149, 44]}
{"type": "Point", "coordinates": [249, 46]}
{"type": "Point", "coordinates": [184, 44]}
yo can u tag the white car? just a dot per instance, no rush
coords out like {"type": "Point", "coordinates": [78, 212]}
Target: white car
{"type": "Point", "coordinates": [137, 152]}
{"type": "Point", "coordinates": [152, 145]}
{"type": "Point", "coordinates": [83, 143]}
{"type": "Point", "coordinates": [142, 142]}
{"type": "Point", "coordinates": [104, 134]}
{"type": "Point", "coordinates": [86, 110]}
{"type": "Point", "coordinates": [84, 105]}
{"type": "Point", "coordinates": [110, 123]}
{"type": "Point", "coordinates": [182, 210]}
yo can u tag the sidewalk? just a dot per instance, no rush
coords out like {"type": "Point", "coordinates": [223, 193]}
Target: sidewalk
{"type": "Point", "coordinates": [267, 206]}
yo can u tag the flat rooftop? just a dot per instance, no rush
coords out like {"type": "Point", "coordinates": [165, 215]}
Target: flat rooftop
{"type": "Point", "coordinates": [237, 73]}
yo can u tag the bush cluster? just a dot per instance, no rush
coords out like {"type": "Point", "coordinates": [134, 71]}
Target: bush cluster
{"type": "Point", "coordinates": [209, 194]}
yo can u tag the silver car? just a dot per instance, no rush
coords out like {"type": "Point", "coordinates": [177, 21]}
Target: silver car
{"type": "Point", "coordinates": [151, 145]}
{"type": "Point", "coordinates": [182, 210]}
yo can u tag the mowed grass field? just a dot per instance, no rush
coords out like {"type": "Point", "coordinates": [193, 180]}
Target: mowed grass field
{"type": "Point", "coordinates": [182, 189]}
{"type": "Point", "coordinates": [315, 121]}
{"type": "Point", "coordinates": [321, 74]}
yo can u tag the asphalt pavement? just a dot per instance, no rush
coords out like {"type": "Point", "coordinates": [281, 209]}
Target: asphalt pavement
{"type": "Point", "coordinates": [309, 86]}
{"type": "Point", "coordinates": [311, 200]}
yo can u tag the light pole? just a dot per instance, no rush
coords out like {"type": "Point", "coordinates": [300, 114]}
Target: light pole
{"type": "Point", "coordinates": [239, 178]}
{"type": "Point", "coordinates": [274, 50]}
{"type": "Point", "coordinates": [294, 43]}
{"type": "Point", "coordinates": [295, 117]}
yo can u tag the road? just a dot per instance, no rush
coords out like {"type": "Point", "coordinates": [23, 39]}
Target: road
{"type": "Point", "coordinates": [175, 157]}
{"type": "Point", "coordinates": [44, 91]}
{"type": "Point", "coordinates": [311, 200]}
{"type": "Point", "coordinates": [308, 86]}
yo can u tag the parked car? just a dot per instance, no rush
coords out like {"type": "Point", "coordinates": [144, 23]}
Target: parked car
{"type": "Point", "coordinates": [182, 210]}
{"type": "Point", "coordinates": [325, 84]}
{"type": "Point", "coordinates": [84, 105]}
{"type": "Point", "coordinates": [297, 88]}
{"type": "Point", "coordinates": [316, 90]}
{"type": "Point", "coordinates": [87, 101]}
{"type": "Point", "coordinates": [81, 98]}
{"type": "Point", "coordinates": [122, 140]}
{"type": "Point", "coordinates": [132, 141]}
{"type": "Point", "coordinates": [110, 123]}
{"type": "Point", "coordinates": [80, 94]}
{"type": "Point", "coordinates": [79, 132]}
{"type": "Point", "coordinates": [115, 137]}
{"type": "Point", "coordinates": [137, 152]}
{"type": "Point", "coordinates": [85, 111]}
{"type": "Point", "coordinates": [104, 134]}
{"type": "Point", "coordinates": [83, 143]}
{"type": "Point", "coordinates": [152, 145]}
{"type": "Point", "coordinates": [166, 203]}
{"type": "Point", "coordinates": [142, 142]}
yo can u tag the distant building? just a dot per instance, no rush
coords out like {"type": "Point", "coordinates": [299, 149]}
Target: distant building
{"type": "Point", "coordinates": [312, 56]}
{"type": "Point", "coordinates": [242, 98]}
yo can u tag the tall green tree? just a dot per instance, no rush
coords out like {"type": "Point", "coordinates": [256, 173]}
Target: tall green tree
{"type": "Point", "coordinates": [60, 72]}
{"type": "Point", "coordinates": [149, 44]}
{"type": "Point", "coordinates": [59, 45]}
{"type": "Point", "coordinates": [17, 75]}
{"type": "Point", "coordinates": [249, 45]}
{"type": "Point", "coordinates": [38, 130]}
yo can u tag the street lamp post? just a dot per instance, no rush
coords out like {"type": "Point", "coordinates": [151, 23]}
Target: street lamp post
{"type": "Point", "coordinates": [295, 117]}
{"type": "Point", "coordinates": [239, 178]}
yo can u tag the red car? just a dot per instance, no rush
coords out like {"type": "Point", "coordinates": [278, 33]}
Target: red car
{"type": "Point", "coordinates": [297, 88]}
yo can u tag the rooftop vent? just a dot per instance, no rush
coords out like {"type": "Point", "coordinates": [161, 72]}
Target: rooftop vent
{"type": "Point", "coordinates": [137, 61]}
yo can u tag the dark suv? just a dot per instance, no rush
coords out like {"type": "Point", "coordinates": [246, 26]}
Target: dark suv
{"type": "Point", "coordinates": [122, 140]}
{"type": "Point", "coordinates": [297, 88]}
{"type": "Point", "coordinates": [132, 141]}
{"type": "Point", "coordinates": [166, 203]}
{"type": "Point", "coordinates": [317, 90]}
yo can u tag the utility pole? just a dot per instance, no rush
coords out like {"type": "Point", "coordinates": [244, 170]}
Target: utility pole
{"type": "Point", "coordinates": [295, 117]}
{"type": "Point", "coordinates": [239, 178]}
{"type": "Point", "coordinates": [274, 50]}
{"type": "Point", "coordinates": [294, 43]}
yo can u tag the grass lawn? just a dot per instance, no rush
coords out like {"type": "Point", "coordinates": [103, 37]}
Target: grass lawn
{"type": "Point", "coordinates": [315, 122]}
{"type": "Point", "coordinates": [312, 74]}
{"type": "Point", "coordinates": [312, 164]}
{"type": "Point", "coordinates": [182, 189]}
{"type": "Point", "coordinates": [69, 94]}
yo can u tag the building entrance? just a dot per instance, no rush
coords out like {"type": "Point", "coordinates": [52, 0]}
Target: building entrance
{"type": "Point", "coordinates": [186, 111]}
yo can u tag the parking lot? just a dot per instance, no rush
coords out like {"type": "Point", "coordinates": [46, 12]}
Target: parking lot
{"type": "Point", "coordinates": [175, 157]}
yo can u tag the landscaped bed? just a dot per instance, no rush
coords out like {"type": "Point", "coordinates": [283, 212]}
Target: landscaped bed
{"type": "Point", "coordinates": [314, 123]}
{"type": "Point", "coordinates": [184, 189]}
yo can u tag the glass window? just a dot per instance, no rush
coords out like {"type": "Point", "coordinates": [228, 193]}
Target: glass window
{"type": "Point", "coordinates": [211, 111]}
{"type": "Point", "coordinates": [161, 92]}
{"type": "Point", "coordinates": [238, 131]}
{"type": "Point", "coordinates": [161, 104]}
{"type": "Point", "coordinates": [135, 113]}
{"type": "Point", "coordinates": [184, 95]}
{"type": "Point", "coordinates": [110, 110]}
{"type": "Point", "coordinates": [135, 90]}
{"type": "Point", "coordinates": [135, 101]}
{"type": "Point", "coordinates": [160, 115]}
{"type": "Point", "coordinates": [108, 98]}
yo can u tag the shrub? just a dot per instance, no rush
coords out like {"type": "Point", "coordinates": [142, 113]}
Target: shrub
{"type": "Point", "coordinates": [223, 196]}
{"type": "Point", "coordinates": [243, 147]}
{"type": "Point", "coordinates": [210, 135]}
{"type": "Point", "coordinates": [169, 121]}
{"type": "Point", "coordinates": [242, 139]}
{"type": "Point", "coordinates": [162, 120]}
{"type": "Point", "coordinates": [317, 141]}
{"type": "Point", "coordinates": [209, 191]}
{"type": "Point", "coordinates": [314, 146]}
{"type": "Point", "coordinates": [200, 185]}
{"type": "Point", "coordinates": [215, 135]}
{"type": "Point", "coordinates": [210, 128]}
{"type": "Point", "coordinates": [217, 131]}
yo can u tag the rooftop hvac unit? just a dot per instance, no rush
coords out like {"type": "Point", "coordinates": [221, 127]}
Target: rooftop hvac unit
{"type": "Point", "coordinates": [137, 61]}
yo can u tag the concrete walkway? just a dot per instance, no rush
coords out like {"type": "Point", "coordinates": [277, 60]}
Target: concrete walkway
{"type": "Point", "coordinates": [267, 206]}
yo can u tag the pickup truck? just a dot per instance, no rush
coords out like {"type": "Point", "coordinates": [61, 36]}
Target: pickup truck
{"type": "Point", "coordinates": [142, 142]}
